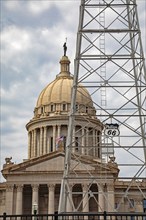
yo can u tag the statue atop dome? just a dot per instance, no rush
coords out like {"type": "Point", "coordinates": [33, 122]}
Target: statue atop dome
{"type": "Point", "coordinates": [65, 48]}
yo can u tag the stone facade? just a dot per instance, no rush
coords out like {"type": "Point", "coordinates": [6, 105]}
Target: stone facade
{"type": "Point", "coordinates": [35, 183]}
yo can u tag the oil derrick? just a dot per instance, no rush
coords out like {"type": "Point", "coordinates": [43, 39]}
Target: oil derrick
{"type": "Point", "coordinates": [109, 62]}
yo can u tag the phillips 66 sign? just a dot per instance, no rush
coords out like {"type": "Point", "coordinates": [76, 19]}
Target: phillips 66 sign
{"type": "Point", "coordinates": [111, 130]}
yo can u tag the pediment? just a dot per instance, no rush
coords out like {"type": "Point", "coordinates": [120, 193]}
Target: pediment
{"type": "Point", "coordinates": [49, 162]}
{"type": "Point", "coordinates": [54, 162]}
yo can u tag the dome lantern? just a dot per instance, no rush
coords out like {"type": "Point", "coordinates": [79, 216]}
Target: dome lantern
{"type": "Point", "coordinates": [64, 67]}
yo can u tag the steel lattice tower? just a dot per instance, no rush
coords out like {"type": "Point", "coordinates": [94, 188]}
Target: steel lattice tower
{"type": "Point", "coordinates": [109, 62]}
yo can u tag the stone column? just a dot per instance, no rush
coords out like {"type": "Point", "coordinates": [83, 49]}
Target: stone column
{"type": "Point", "coordinates": [59, 131]}
{"type": "Point", "coordinates": [58, 146]}
{"type": "Point", "coordinates": [19, 199]}
{"type": "Point", "coordinates": [9, 199]}
{"type": "Point", "coordinates": [41, 140]}
{"type": "Point", "coordinates": [96, 143]}
{"type": "Point", "coordinates": [101, 198]}
{"type": "Point", "coordinates": [87, 141]}
{"type": "Point", "coordinates": [48, 144]}
{"type": "Point", "coordinates": [34, 144]}
{"type": "Point", "coordinates": [35, 188]}
{"type": "Point", "coordinates": [93, 142]}
{"type": "Point", "coordinates": [45, 141]}
{"type": "Point", "coordinates": [51, 197]}
{"type": "Point", "coordinates": [99, 143]}
{"type": "Point", "coordinates": [85, 198]}
{"type": "Point", "coordinates": [111, 197]}
{"type": "Point", "coordinates": [83, 141]}
{"type": "Point", "coordinates": [29, 145]}
{"type": "Point", "coordinates": [54, 137]}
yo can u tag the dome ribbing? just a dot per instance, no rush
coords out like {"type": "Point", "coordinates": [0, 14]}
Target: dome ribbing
{"type": "Point", "coordinates": [59, 91]}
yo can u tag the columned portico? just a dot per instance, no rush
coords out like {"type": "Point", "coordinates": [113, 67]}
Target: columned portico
{"type": "Point", "coordinates": [43, 140]}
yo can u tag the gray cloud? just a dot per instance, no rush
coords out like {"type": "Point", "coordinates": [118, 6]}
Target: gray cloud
{"type": "Point", "coordinates": [28, 14]}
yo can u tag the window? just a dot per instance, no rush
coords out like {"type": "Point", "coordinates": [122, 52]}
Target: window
{"type": "Point", "coordinates": [116, 205]}
{"type": "Point", "coordinates": [64, 142]}
{"type": "Point", "coordinates": [77, 107]}
{"type": "Point", "coordinates": [64, 107]}
{"type": "Point", "coordinates": [51, 144]}
{"type": "Point", "coordinates": [76, 143]}
{"type": "Point", "coordinates": [99, 154]}
{"type": "Point", "coordinates": [52, 108]}
{"type": "Point", "coordinates": [86, 109]}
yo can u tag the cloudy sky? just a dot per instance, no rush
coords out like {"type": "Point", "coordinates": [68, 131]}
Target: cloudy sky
{"type": "Point", "coordinates": [32, 36]}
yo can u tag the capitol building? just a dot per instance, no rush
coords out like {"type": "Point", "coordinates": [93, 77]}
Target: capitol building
{"type": "Point", "coordinates": [37, 180]}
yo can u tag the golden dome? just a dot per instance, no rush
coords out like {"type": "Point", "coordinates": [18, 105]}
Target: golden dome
{"type": "Point", "coordinates": [59, 91]}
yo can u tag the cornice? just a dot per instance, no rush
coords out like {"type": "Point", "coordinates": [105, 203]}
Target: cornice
{"type": "Point", "coordinates": [49, 119]}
